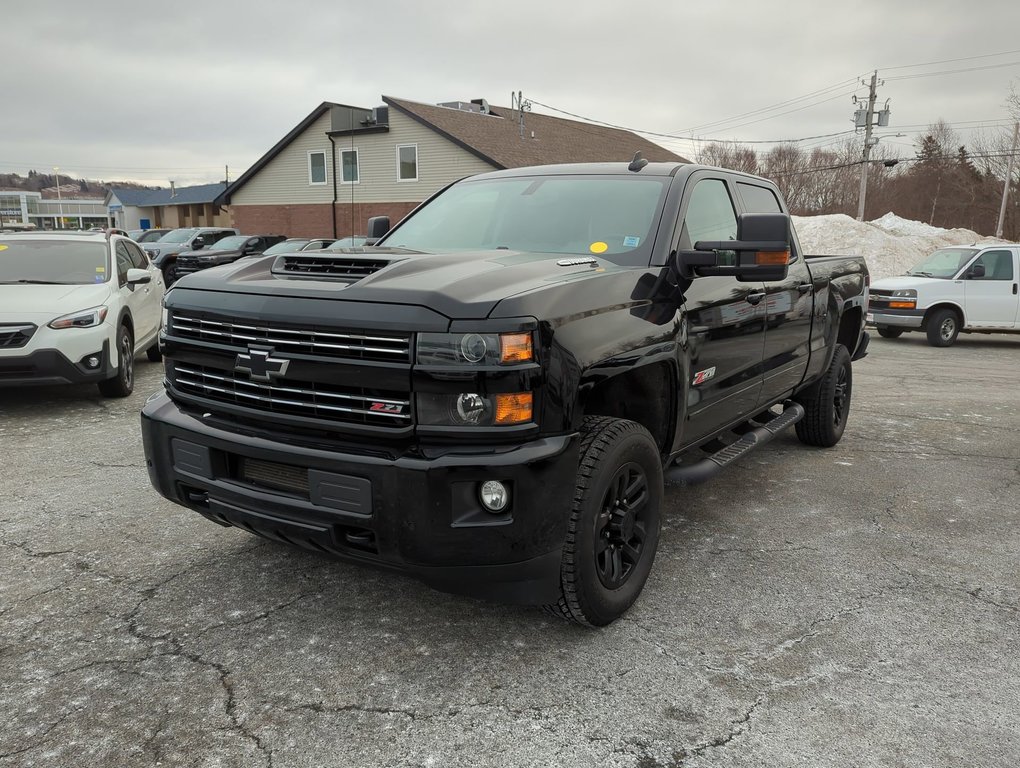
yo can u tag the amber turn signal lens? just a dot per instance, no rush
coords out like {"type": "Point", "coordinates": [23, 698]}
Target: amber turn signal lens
{"type": "Point", "coordinates": [516, 348]}
{"type": "Point", "coordinates": [513, 408]}
{"type": "Point", "coordinates": [902, 304]}
{"type": "Point", "coordinates": [772, 258]}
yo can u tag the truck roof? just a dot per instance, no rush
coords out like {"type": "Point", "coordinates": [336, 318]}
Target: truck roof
{"type": "Point", "coordinates": [610, 169]}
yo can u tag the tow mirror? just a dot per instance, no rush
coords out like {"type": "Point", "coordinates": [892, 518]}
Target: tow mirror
{"type": "Point", "coordinates": [761, 252]}
{"type": "Point", "coordinates": [377, 227]}
{"type": "Point", "coordinates": [976, 271]}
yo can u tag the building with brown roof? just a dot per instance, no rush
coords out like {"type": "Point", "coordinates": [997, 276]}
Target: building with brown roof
{"type": "Point", "coordinates": [343, 164]}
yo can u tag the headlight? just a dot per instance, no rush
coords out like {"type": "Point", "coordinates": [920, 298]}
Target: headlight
{"type": "Point", "coordinates": [910, 293]}
{"type": "Point", "coordinates": [469, 409]}
{"type": "Point", "coordinates": [474, 348]}
{"type": "Point", "coordinates": [152, 253]}
{"type": "Point", "coordinates": [86, 318]}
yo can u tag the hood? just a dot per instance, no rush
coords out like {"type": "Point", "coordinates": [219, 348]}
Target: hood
{"type": "Point", "coordinates": [458, 285]}
{"type": "Point", "coordinates": [42, 303]}
{"type": "Point", "coordinates": [210, 252]}
{"type": "Point", "coordinates": [903, 282]}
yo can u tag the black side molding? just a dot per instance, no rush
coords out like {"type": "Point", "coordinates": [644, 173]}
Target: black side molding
{"type": "Point", "coordinates": [710, 466]}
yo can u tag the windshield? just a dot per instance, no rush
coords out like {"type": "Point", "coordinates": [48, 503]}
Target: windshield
{"type": "Point", "coordinates": [346, 242]}
{"type": "Point", "coordinates": [229, 243]}
{"type": "Point", "coordinates": [287, 246]}
{"type": "Point", "coordinates": [178, 235]}
{"type": "Point", "coordinates": [150, 237]}
{"type": "Point", "coordinates": [52, 261]}
{"type": "Point", "coordinates": [602, 215]}
{"type": "Point", "coordinates": [944, 263]}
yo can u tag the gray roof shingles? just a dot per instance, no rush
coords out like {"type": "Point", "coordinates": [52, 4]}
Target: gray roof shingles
{"type": "Point", "coordinates": [148, 198]}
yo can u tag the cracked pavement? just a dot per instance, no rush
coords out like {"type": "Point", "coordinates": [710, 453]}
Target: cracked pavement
{"type": "Point", "coordinates": [853, 606]}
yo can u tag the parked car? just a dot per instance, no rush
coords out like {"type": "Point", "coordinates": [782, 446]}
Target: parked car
{"type": "Point", "coordinates": [963, 289]}
{"type": "Point", "coordinates": [225, 251]}
{"type": "Point", "coordinates": [354, 241]}
{"type": "Point", "coordinates": [76, 308]}
{"type": "Point", "coordinates": [491, 398]}
{"type": "Point", "coordinates": [146, 235]}
{"type": "Point", "coordinates": [164, 251]}
{"type": "Point", "coordinates": [298, 244]}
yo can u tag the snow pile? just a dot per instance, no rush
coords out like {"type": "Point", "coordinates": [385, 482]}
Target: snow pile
{"type": "Point", "coordinates": [890, 245]}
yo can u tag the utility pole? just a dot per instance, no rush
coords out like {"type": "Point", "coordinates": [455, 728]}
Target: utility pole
{"type": "Point", "coordinates": [1009, 179]}
{"type": "Point", "coordinates": [226, 175]}
{"type": "Point", "coordinates": [867, 145]}
{"type": "Point", "coordinates": [60, 200]}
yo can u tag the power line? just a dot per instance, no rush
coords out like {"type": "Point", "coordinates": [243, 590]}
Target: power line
{"type": "Point", "coordinates": [953, 71]}
{"type": "Point", "coordinates": [950, 61]}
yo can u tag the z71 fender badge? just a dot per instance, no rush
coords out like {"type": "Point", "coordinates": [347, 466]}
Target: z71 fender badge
{"type": "Point", "coordinates": [702, 376]}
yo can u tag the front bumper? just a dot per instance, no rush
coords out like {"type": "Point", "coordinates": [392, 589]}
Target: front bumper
{"type": "Point", "coordinates": [902, 318]}
{"type": "Point", "coordinates": [416, 512]}
{"type": "Point", "coordinates": [52, 366]}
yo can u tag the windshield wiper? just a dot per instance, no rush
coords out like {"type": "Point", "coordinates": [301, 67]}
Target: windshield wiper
{"type": "Point", "coordinates": [922, 274]}
{"type": "Point", "coordinates": [32, 282]}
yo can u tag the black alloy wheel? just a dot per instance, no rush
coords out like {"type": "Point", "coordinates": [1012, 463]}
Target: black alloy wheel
{"type": "Point", "coordinates": [827, 403]}
{"type": "Point", "coordinates": [621, 527]}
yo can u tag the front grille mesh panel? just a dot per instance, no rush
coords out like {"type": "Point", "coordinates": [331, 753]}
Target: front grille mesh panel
{"type": "Point", "coordinates": [324, 402]}
{"type": "Point", "coordinates": [394, 348]}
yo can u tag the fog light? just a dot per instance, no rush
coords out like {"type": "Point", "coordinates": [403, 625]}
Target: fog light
{"type": "Point", "coordinates": [92, 362]}
{"type": "Point", "coordinates": [494, 495]}
{"type": "Point", "coordinates": [470, 408]}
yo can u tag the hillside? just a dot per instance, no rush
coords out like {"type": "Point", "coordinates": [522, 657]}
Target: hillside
{"type": "Point", "coordinates": [46, 183]}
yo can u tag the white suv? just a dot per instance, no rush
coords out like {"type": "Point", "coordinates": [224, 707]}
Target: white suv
{"type": "Point", "coordinates": [76, 308]}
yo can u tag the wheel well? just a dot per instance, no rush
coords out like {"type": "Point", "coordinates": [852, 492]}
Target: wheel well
{"type": "Point", "coordinates": [932, 310]}
{"type": "Point", "coordinates": [644, 395]}
{"type": "Point", "coordinates": [125, 319]}
{"type": "Point", "coordinates": [849, 329]}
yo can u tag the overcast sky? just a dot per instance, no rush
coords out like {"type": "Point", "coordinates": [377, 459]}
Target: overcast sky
{"type": "Point", "coordinates": [178, 90]}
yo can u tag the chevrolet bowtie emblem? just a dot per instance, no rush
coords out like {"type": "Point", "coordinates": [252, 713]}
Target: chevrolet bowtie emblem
{"type": "Point", "coordinates": [260, 364]}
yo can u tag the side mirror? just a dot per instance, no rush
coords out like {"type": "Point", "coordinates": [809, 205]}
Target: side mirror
{"type": "Point", "coordinates": [198, 243]}
{"type": "Point", "coordinates": [761, 252]}
{"type": "Point", "coordinates": [976, 271]}
{"type": "Point", "coordinates": [251, 246]}
{"type": "Point", "coordinates": [377, 227]}
{"type": "Point", "coordinates": [138, 276]}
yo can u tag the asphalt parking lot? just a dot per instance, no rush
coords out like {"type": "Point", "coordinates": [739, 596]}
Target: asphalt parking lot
{"type": "Point", "coordinates": [848, 607]}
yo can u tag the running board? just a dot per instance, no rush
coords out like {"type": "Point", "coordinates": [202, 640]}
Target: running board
{"type": "Point", "coordinates": [710, 466]}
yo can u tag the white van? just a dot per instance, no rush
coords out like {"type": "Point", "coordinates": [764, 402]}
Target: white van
{"type": "Point", "coordinates": [968, 289]}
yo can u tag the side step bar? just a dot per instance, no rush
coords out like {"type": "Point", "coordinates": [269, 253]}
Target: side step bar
{"type": "Point", "coordinates": [710, 466]}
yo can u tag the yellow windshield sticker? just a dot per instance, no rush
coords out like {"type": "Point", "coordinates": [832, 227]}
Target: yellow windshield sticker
{"type": "Point", "coordinates": [598, 247]}
{"type": "Point", "coordinates": [3, 247]}
{"type": "Point", "coordinates": [100, 269]}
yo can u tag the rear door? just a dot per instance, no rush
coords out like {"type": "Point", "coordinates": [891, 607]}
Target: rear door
{"type": "Point", "coordinates": [788, 306]}
{"type": "Point", "coordinates": [990, 301]}
{"type": "Point", "coordinates": [725, 318]}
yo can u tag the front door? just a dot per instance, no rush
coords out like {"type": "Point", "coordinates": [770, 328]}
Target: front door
{"type": "Point", "coordinates": [725, 322]}
{"type": "Point", "coordinates": [990, 301]}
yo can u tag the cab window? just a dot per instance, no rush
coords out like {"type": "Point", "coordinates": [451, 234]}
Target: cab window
{"type": "Point", "coordinates": [998, 265]}
{"type": "Point", "coordinates": [710, 214]}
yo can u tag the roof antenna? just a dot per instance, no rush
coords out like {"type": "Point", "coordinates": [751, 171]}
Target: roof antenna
{"type": "Point", "coordinates": [637, 163]}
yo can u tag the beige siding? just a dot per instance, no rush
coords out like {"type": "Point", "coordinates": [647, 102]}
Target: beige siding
{"type": "Point", "coordinates": [285, 179]}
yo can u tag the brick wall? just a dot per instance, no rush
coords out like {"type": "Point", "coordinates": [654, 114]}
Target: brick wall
{"type": "Point", "coordinates": [313, 219]}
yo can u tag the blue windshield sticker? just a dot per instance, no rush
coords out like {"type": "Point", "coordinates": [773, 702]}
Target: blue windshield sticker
{"type": "Point", "coordinates": [631, 242]}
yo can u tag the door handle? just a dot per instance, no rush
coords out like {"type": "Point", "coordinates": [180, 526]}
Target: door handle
{"type": "Point", "coordinates": [805, 287]}
{"type": "Point", "coordinates": [755, 298]}
{"type": "Point", "coordinates": [1014, 289]}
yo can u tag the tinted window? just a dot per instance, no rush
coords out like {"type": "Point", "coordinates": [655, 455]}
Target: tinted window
{"type": "Point", "coordinates": [998, 265]}
{"type": "Point", "coordinates": [758, 199]}
{"type": "Point", "coordinates": [178, 235]}
{"type": "Point", "coordinates": [710, 215]}
{"type": "Point", "coordinates": [138, 259]}
{"type": "Point", "coordinates": [123, 262]}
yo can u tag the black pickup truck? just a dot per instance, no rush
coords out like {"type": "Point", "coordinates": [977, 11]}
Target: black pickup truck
{"type": "Point", "coordinates": [225, 251]}
{"type": "Point", "coordinates": [493, 398]}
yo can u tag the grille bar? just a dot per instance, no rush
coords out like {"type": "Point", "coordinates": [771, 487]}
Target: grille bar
{"type": "Point", "coordinates": [14, 336]}
{"type": "Point", "coordinates": [326, 343]}
{"type": "Point", "coordinates": [302, 398]}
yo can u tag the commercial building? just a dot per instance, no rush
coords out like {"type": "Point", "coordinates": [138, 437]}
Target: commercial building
{"type": "Point", "coordinates": [21, 208]}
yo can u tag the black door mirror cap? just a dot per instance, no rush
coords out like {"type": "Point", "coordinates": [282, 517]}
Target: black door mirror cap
{"type": "Point", "coordinates": [377, 227]}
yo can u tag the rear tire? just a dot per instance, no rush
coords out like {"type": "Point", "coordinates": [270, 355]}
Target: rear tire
{"type": "Point", "coordinates": [827, 403]}
{"type": "Point", "coordinates": [170, 274]}
{"type": "Point", "coordinates": [888, 332]}
{"type": "Point", "coordinates": [614, 522]}
{"type": "Point", "coordinates": [123, 382]}
{"type": "Point", "coordinates": [943, 327]}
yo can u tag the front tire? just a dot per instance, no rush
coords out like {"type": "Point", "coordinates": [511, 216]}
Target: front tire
{"type": "Point", "coordinates": [123, 382]}
{"type": "Point", "coordinates": [827, 403]}
{"type": "Point", "coordinates": [888, 332]}
{"type": "Point", "coordinates": [943, 328]}
{"type": "Point", "coordinates": [614, 522]}
{"type": "Point", "coordinates": [170, 274]}
{"type": "Point", "coordinates": [154, 354]}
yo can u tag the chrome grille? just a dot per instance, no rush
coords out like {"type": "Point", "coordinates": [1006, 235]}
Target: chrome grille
{"type": "Point", "coordinates": [324, 401]}
{"type": "Point", "coordinates": [309, 341]}
{"type": "Point", "coordinates": [14, 336]}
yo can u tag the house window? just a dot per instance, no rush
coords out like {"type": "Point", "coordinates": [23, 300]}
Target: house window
{"type": "Point", "coordinates": [349, 166]}
{"type": "Point", "coordinates": [407, 162]}
{"type": "Point", "coordinates": [316, 167]}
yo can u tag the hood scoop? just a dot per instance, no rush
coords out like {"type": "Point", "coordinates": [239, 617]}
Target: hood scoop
{"type": "Point", "coordinates": [341, 266]}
